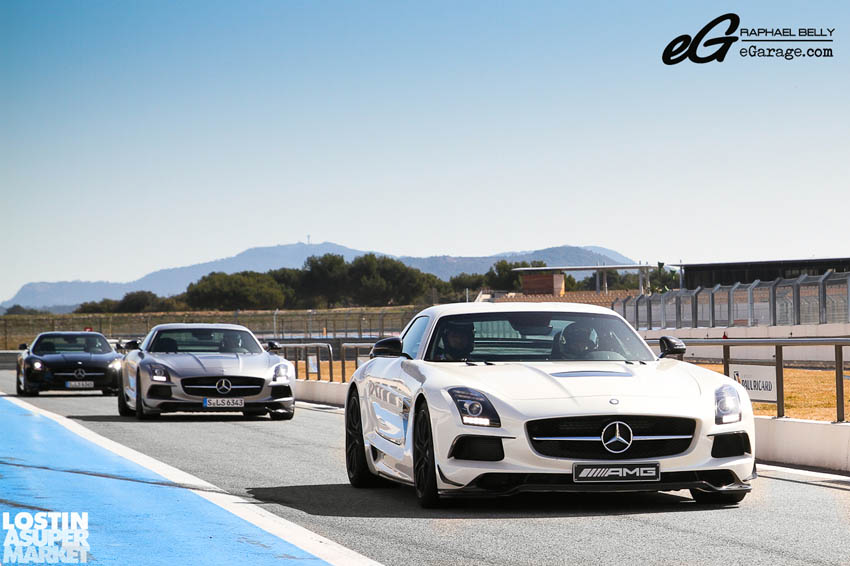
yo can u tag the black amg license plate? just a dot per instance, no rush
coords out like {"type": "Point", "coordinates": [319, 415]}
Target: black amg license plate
{"type": "Point", "coordinates": [648, 471]}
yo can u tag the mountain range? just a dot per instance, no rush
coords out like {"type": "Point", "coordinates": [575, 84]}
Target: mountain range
{"type": "Point", "coordinates": [165, 282]}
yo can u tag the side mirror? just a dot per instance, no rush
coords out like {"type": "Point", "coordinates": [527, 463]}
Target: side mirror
{"type": "Point", "coordinates": [671, 346]}
{"type": "Point", "coordinates": [131, 345]}
{"type": "Point", "coordinates": [387, 348]}
{"type": "Point", "coordinates": [272, 345]}
{"type": "Point", "coordinates": [22, 347]}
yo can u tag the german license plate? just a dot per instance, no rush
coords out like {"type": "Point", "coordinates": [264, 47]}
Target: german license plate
{"type": "Point", "coordinates": [214, 402]}
{"type": "Point", "coordinates": [79, 384]}
{"type": "Point", "coordinates": [615, 473]}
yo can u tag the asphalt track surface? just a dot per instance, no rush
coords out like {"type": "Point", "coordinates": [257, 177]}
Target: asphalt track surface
{"type": "Point", "coordinates": [296, 470]}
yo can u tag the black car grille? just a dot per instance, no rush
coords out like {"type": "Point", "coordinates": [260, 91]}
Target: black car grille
{"type": "Point", "coordinates": [592, 448]}
{"type": "Point", "coordinates": [239, 386]}
{"type": "Point", "coordinates": [68, 372]}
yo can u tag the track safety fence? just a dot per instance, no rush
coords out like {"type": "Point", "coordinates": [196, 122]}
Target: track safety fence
{"type": "Point", "coordinates": [779, 344]}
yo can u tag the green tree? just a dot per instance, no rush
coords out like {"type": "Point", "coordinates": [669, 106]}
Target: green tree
{"type": "Point", "coordinates": [18, 309]}
{"type": "Point", "coordinates": [501, 276]}
{"type": "Point", "coordinates": [324, 280]}
{"type": "Point", "coordinates": [245, 290]}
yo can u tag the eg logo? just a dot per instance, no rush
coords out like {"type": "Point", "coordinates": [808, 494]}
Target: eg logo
{"type": "Point", "coordinates": [685, 47]}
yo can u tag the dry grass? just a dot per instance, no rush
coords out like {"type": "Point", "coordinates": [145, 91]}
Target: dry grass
{"type": "Point", "coordinates": [809, 394]}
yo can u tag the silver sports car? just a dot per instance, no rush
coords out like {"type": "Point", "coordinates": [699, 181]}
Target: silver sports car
{"type": "Point", "coordinates": [204, 367]}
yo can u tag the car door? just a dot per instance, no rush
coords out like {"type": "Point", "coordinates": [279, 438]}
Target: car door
{"type": "Point", "coordinates": [389, 395]}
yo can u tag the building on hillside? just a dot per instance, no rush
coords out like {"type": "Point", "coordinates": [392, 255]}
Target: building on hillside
{"type": "Point", "coordinates": [546, 280]}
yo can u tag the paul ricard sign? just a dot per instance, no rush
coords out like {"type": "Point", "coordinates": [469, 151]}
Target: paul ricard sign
{"type": "Point", "coordinates": [759, 381]}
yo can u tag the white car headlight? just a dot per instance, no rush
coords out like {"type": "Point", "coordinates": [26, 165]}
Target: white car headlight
{"type": "Point", "coordinates": [37, 365]}
{"type": "Point", "coordinates": [282, 373]}
{"type": "Point", "coordinates": [727, 405]}
{"type": "Point", "coordinates": [474, 407]}
{"type": "Point", "coordinates": [115, 365]}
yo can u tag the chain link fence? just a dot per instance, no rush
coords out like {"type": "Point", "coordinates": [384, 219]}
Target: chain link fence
{"type": "Point", "coordinates": [367, 323]}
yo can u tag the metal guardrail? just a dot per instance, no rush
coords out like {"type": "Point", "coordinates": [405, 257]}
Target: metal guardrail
{"type": "Point", "coordinates": [345, 348]}
{"type": "Point", "coordinates": [305, 348]}
{"type": "Point", "coordinates": [779, 343]}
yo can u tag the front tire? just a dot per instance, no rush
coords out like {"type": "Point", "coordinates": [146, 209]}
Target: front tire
{"type": "Point", "coordinates": [21, 387]}
{"type": "Point", "coordinates": [141, 414]}
{"type": "Point", "coordinates": [359, 474]}
{"type": "Point", "coordinates": [123, 408]}
{"type": "Point", "coordinates": [282, 415]}
{"type": "Point", "coordinates": [424, 463]}
{"type": "Point", "coordinates": [718, 497]}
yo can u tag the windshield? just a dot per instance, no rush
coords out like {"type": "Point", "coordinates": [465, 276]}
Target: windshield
{"type": "Point", "coordinates": [71, 343]}
{"type": "Point", "coordinates": [205, 340]}
{"type": "Point", "coordinates": [535, 336]}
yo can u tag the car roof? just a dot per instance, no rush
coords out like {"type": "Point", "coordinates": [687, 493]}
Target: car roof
{"type": "Point", "coordinates": [198, 325]}
{"type": "Point", "coordinates": [69, 333]}
{"type": "Point", "coordinates": [479, 308]}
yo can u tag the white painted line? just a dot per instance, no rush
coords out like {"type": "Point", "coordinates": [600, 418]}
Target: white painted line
{"type": "Point", "coordinates": [313, 543]}
{"type": "Point", "coordinates": [818, 475]}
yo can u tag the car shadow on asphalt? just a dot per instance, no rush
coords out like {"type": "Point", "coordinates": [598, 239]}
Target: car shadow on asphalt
{"type": "Point", "coordinates": [342, 500]}
{"type": "Point", "coordinates": [199, 417]}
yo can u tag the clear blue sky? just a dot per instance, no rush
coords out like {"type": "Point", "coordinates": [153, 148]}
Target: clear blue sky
{"type": "Point", "coordinates": [141, 135]}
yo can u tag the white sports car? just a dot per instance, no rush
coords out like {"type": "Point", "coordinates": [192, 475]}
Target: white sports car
{"type": "Point", "coordinates": [493, 399]}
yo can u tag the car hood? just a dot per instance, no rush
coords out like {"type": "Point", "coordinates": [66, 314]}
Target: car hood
{"type": "Point", "coordinates": [559, 380]}
{"type": "Point", "coordinates": [186, 365]}
{"type": "Point", "coordinates": [71, 358]}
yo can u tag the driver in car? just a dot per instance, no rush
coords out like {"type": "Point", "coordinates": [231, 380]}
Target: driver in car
{"type": "Point", "coordinates": [576, 341]}
{"type": "Point", "coordinates": [458, 341]}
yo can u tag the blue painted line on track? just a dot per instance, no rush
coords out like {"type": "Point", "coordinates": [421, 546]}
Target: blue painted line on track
{"type": "Point", "coordinates": [132, 518]}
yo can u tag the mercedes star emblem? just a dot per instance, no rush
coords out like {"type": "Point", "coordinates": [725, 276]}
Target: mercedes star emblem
{"type": "Point", "coordinates": [617, 437]}
{"type": "Point", "coordinates": [79, 373]}
{"type": "Point", "coordinates": [223, 386]}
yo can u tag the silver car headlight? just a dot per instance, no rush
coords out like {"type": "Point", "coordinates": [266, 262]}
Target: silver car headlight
{"type": "Point", "coordinates": [474, 407]}
{"type": "Point", "coordinates": [159, 373]}
{"type": "Point", "coordinates": [727, 405]}
{"type": "Point", "coordinates": [282, 373]}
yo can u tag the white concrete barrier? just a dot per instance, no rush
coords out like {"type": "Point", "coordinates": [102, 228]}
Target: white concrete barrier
{"type": "Point", "coordinates": [321, 392]}
{"type": "Point", "coordinates": [803, 443]}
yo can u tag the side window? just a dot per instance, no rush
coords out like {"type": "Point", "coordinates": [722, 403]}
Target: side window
{"type": "Point", "coordinates": [413, 337]}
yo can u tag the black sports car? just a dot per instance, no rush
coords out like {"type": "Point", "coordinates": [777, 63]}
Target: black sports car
{"type": "Point", "coordinates": [68, 361]}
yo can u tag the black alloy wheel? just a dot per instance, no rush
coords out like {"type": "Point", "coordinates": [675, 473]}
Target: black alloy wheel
{"type": "Point", "coordinates": [424, 466]}
{"type": "Point", "coordinates": [359, 474]}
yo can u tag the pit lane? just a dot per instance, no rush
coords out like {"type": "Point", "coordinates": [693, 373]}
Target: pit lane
{"type": "Point", "coordinates": [296, 470]}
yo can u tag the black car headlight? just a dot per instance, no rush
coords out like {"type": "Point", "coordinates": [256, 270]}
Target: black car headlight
{"type": "Point", "coordinates": [474, 407]}
{"type": "Point", "coordinates": [37, 365]}
{"type": "Point", "coordinates": [159, 373]}
{"type": "Point", "coordinates": [115, 365]}
{"type": "Point", "coordinates": [727, 405]}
